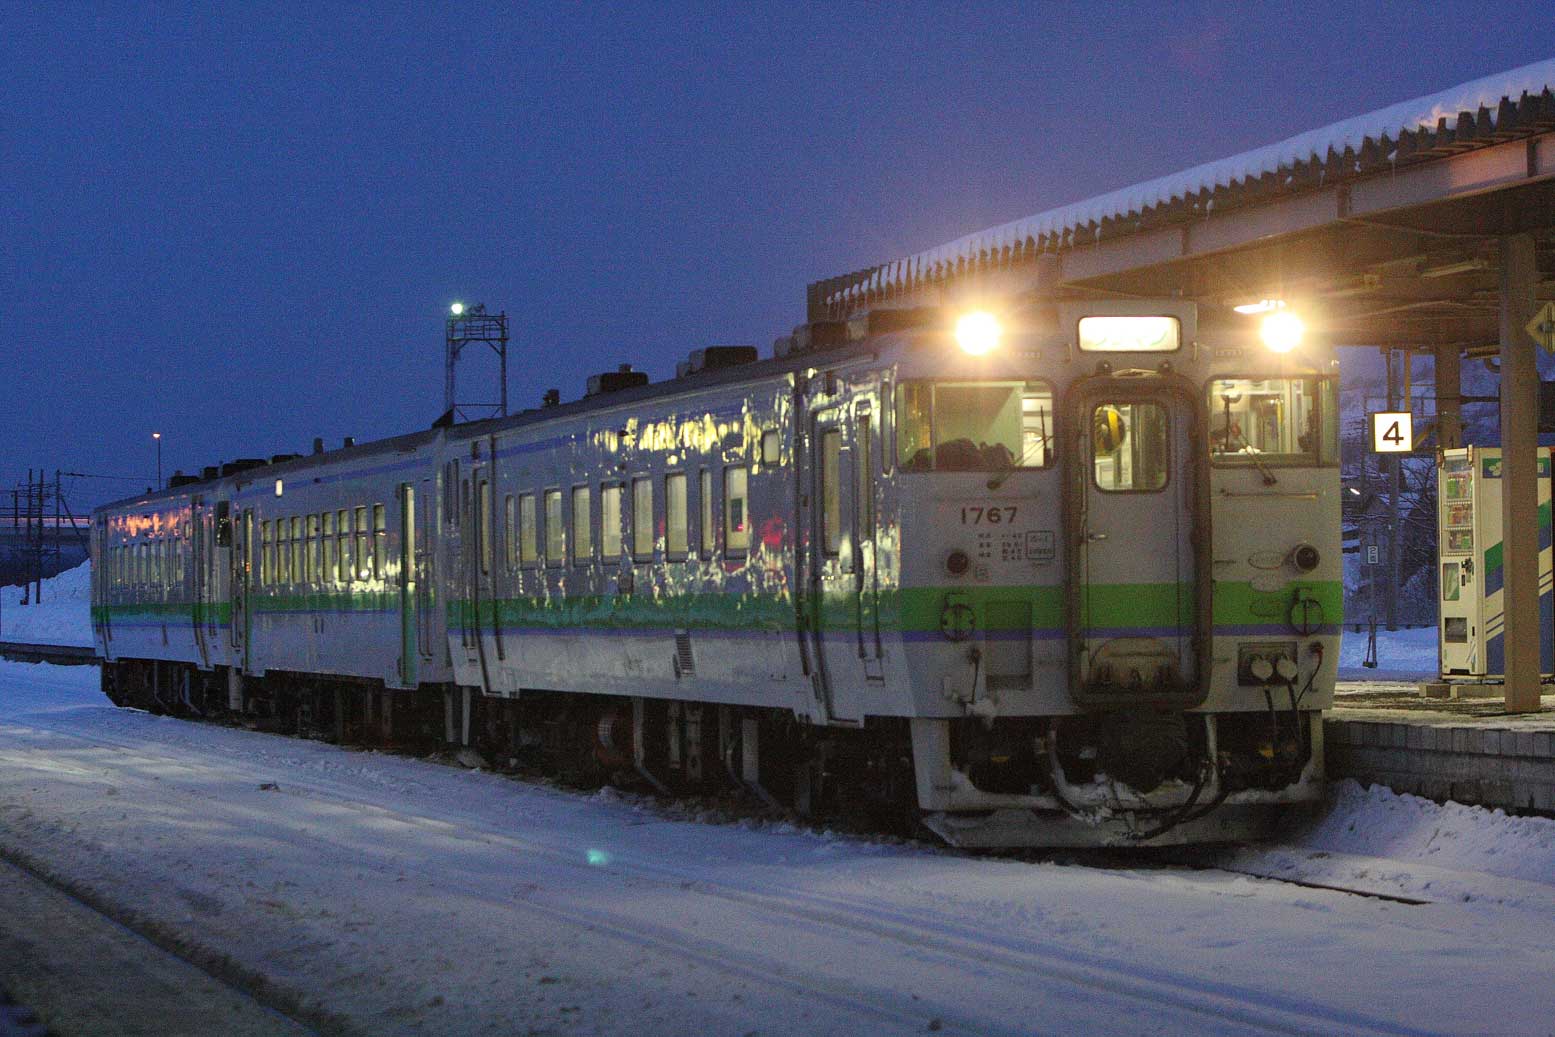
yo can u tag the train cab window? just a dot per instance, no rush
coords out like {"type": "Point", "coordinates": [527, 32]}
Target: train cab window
{"type": "Point", "coordinates": [343, 533]}
{"type": "Point", "coordinates": [737, 531]}
{"type": "Point", "coordinates": [642, 519]}
{"type": "Point", "coordinates": [1273, 421]}
{"type": "Point", "coordinates": [363, 558]}
{"type": "Point", "coordinates": [555, 529]}
{"type": "Point", "coordinates": [677, 523]}
{"type": "Point", "coordinates": [380, 539]}
{"type": "Point", "coordinates": [528, 539]}
{"type": "Point", "coordinates": [610, 523]}
{"type": "Point", "coordinates": [705, 503]}
{"type": "Point", "coordinates": [974, 426]}
{"type": "Point", "coordinates": [582, 527]}
{"type": "Point", "coordinates": [1129, 446]}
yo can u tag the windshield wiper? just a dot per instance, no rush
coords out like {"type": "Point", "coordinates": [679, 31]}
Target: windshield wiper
{"type": "Point", "coordinates": [1040, 446]}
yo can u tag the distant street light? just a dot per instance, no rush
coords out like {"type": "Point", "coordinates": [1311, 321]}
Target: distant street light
{"type": "Point", "coordinates": [457, 309]}
{"type": "Point", "coordinates": [158, 437]}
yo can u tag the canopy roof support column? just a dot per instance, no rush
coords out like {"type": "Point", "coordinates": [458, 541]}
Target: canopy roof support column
{"type": "Point", "coordinates": [1519, 471]}
{"type": "Point", "coordinates": [1449, 392]}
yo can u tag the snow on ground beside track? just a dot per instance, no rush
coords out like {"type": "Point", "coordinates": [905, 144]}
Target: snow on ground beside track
{"type": "Point", "coordinates": [62, 617]}
{"type": "Point", "coordinates": [1407, 653]}
{"type": "Point", "coordinates": [410, 897]}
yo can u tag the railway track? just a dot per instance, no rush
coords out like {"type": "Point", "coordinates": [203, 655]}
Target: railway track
{"type": "Point", "coordinates": [831, 922]}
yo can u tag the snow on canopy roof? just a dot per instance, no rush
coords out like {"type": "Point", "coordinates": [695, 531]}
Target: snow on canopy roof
{"type": "Point", "coordinates": [1386, 127]}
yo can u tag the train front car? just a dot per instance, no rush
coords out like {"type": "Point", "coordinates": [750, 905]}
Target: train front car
{"type": "Point", "coordinates": [1119, 573]}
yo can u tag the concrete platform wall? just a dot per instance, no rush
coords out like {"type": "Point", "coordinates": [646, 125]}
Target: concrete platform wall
{"type": "Point", "coordinates": [1484, 766]}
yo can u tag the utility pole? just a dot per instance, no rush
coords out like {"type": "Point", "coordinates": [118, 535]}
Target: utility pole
{"type": "Point", "coordinates": [466, 325]}
{"type": "Point", "coordinates": [1394, 488]}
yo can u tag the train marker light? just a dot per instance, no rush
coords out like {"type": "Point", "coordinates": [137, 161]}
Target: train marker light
{"type": "Point", "coordinates": [457, 309]}
{"type": "Point", "coordinates": [978, 332]}
{"type": "Point", "coordinates": [1281, 331]}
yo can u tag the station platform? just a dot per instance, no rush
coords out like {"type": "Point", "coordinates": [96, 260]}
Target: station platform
{"type": "Point", "coordinates": [1467, 749]}
{"type": "Point", "coordinates": [81, 974]}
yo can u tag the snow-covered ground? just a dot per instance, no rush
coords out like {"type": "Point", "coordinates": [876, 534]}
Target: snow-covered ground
{"type": "Point", "coordinates": [63, 617]}
{"type": "Point", "coordinates": [401, 897]}
{"type": "Point", "coordinates": [1404, 654]}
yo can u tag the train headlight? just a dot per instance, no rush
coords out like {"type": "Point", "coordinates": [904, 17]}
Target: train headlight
{"type": "Point", "coordinates": [978, 333]}
{"type": "Point", "coordinates": [1281, 331]}
{"type": "Point", "coordinates": [457, 309]}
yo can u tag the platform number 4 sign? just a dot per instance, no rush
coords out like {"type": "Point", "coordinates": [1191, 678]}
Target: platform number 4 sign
{"type": "Point", "coordinates": [1392, 432]}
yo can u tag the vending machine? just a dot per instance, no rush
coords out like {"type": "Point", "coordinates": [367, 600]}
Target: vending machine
{"type": "Point", "coordinates": [1468, 545]}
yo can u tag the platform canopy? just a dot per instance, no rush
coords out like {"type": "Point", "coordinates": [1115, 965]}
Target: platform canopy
{"type": "Point", "coordinates": [1383, 226]}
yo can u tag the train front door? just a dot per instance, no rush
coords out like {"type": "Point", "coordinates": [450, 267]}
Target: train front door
{"type": "Point", "coordinates": [1135, 605]}
{"type": "Point", "coordinates": [837, 570]}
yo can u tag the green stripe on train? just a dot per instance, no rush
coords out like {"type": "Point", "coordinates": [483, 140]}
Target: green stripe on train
{"type": "Point", "coordinates": [913, 609]}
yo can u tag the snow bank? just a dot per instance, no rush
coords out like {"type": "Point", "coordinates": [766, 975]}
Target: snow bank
{"type": "Point", "coordinates": [63, 617]}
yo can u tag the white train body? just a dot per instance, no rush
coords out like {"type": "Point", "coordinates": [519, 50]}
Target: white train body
{"type": "Point", "coordinates": [1085, 594]}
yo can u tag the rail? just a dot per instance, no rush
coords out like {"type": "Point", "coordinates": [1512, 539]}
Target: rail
{"type": "Point", "coordinates": [64, 655]}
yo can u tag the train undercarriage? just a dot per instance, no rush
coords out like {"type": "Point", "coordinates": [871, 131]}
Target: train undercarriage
{"type": "Point", "coordinates": [1121, 778]}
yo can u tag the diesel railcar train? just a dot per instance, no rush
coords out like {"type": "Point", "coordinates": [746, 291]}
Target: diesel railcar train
{"type": "Point", "coordinates": [1067, 575]}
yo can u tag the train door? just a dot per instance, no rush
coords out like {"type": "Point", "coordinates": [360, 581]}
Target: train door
{"type": "Point", "coordinates": [410, 639]}
{"type": "Point", "coordinates": [200, 536]}
{"type": "Point", "coordinates": [836, 582]}
{"type": "Point", "coordinates": [1135, 604]}
{"type": "Point", "coordinates": [242, 537]}
{"type": "Point", "coordinates": [422, 557]}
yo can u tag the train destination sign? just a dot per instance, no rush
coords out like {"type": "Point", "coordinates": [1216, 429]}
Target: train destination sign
{"type": "Point", "coordinates": [1392, 432]}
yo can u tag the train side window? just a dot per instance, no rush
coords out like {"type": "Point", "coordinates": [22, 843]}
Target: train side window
{"type": "Point", "coordinates": [223, 523]}
{"type": "Point", "coordinates": [677, 531]}
{"type": "Point", "coordinates": [705, 503]}
{"type": "Point", "coordinates": [315, 559]}
{"type": "Point", "coordinates": [555, 529]}
{"type": "Point", "coordinates": [298, 548]}
{"type": "Point", "coordinates": [380, 536]}
{"type": "Point", "coordinates": [266, 554]}
{"type": "Point", "coordinates": [331, 550]}
{"type": "Point", "coordinates": [771, 447]}
{"type": "Point", "coordinates": [363, 558]}
{"type": "Point", "coordinates": [610, 522]}
{"type": "Point", "coordinates": [642, 519]}
{"type": "Point", "coordinates": [343, 531]}
{"type": "Point", "coordinates": [582, 527]}
{"type": "Point", "coordinates": [831, 491]}
{"type": "Point", "coordinates": [483, 522]}
{"type": "Point", "coordinates": [864, 460]}
{"type": "Point", "coordinates": [282, 572]}
{"type": "Point", "coordinates": [737, 533]}
{"type": "Point", "coordinates": [528, 540]}
{"type": "Point", "coordinates": [509, 522]}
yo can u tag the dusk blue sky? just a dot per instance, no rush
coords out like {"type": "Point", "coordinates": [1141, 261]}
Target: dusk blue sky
{"type": "Point", "coordinates": [242, 226]}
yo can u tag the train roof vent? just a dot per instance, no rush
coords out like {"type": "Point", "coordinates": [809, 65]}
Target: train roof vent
{"type": "Point", "coordinates": [210, 471]}
{"type": "Point", "coordinates": [715, 358]}
{"type": "Point", "coordinates": [614, 381]}
{"type": "Point", "coordinates": [283, 458]}
{"type": "Point", "coordinates": [820, 334]}
{"type": "Point", "coordinates": [242, 464]}
{"type": "Point", "coordinates": [180, 479]}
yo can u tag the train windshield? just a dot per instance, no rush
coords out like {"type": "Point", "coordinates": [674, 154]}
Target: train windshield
{"type": "Point", "coordinates": [973, 426]}
{"type": "Point", "coordinates": [1271, 421]}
